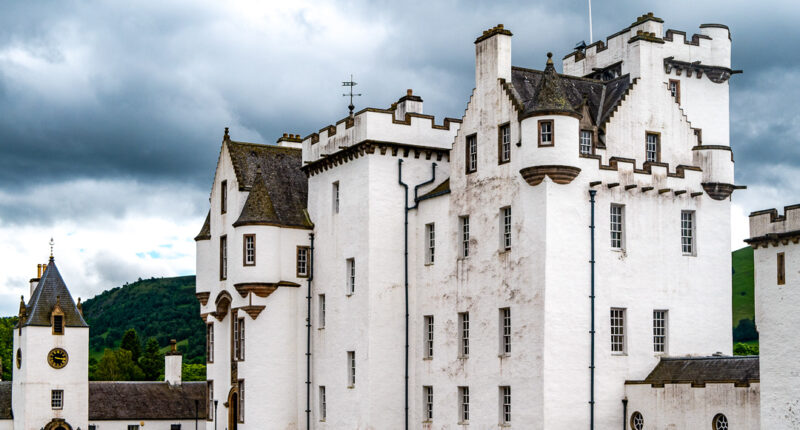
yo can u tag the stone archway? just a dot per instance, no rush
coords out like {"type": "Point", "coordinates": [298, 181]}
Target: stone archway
{"type": "Point", "coordinates": [57, 424]}
{"type": "Point", "coordinates": [233, 409]}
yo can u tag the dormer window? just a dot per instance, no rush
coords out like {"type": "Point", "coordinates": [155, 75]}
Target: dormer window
{"type": "Point", "coordinates": [57, 319]}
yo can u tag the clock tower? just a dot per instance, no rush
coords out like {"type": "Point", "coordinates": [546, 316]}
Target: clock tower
{"type": "Point", "coordinates": [51, 358]}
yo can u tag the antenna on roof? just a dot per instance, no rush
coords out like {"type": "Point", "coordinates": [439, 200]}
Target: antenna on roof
{"type": "Point", "coordinates": [350, 84]}
{"type": "Point", "coordinates": [591, 39]}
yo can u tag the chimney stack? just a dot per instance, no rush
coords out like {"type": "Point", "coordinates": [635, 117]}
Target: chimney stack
{"type": "Point", "coordinates": [409, 103]}
{"type": "Point", "coordinates": [173, 365]}
{"type": "Point", "coordinates": [492, 57]}
{"type": "Point", "coordinates": [35, 281]}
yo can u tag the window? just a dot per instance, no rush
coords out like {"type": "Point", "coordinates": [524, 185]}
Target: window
{"type": "Point", "coordinates": [351, 369]}
{"type": "Point", "coordinates": [430, 249]}
{"type": "Point", "coordinates": [58, 324]}
{"type": "Point", "coordinates": [210, 396]}
{"type": "Point", "coordinates": [133, 426]}
{"type": "Point", "coordinates": [249, 250]}
{"type": "Point", "coordinates": [781, 268]}
{"type": "Point", "coordinates": [351, 276]}
{"type": "Point", "coordinates": [505, 405]}
{"type": "Point", "coordinates": [92, 427]}
{"type": "Point", "coordinates": [586, 142]}
{"type": "Point", "coordinates": [336, 197]}
{"type": "Point", "coordinates": [223, 258]}
{"type": "Point", "coordinates": [210, 342]}
{"type": "Point", "coordinates": [174, 427]}
{"type": "Point", "coordinates": [687, 233]}
{"type": "Point", "coordinates": [503, 144]}
{"type": "Point", "coordinates": [505, 224]}
{"type": "Point", "coordinates": [463, 334]}
{"type": "Point", "coordinates": [321, 311]}
{"type": "Point", "coordinates": [428, 347]}
{"type": "Point", "coordinates": [659, 332]}
{"type": "Point", "coordinates": [302, 261]}
{"type": "Point", "coordinates": [546, 137]}
{"type": "Point", "coordinates": [427, 398]}
{"type": "Point", "coordinates": [720, 422]}
{"type": "Point", "coordinates": [238, 339]}
{"type": "Point", "coordinates": [653, 148]}
{"type": "Point", "coordinates": [505, 331]}
{"type": "Point", "coordinates": [463, 404]}
{"type": "Point", "coordinates": [675, 89]}
{"type": "Point", "coordinates": [472, 153]}
{"type": "Point", "coordinates": [241, 401]}
{"type": "Point", "coordinates": [223, 197]}
{"type": "Point", "coordinates": [618, 330]}
{"type": "Point", "coordinates": [57, 399]}
{"type": "Point", "coordinates": [464, 220]}
{"type": "Point", "coordinates": [617, 227]}
{"type": "Point", "coordinates": [323, 404]}
{"type": "Point", "coordinates": [637, 421]}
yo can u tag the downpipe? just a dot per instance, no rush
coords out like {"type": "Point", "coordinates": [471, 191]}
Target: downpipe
{"type": "Point", "coordinates": [592, 296]}
{"type": "Point", "coordinates": [308, 331]}
{"type": "Point", "coordinates": [408, 208]}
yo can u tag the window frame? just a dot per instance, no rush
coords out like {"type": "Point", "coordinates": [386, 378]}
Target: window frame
{"type": "Point", "coordinates": [620, 336]}
{"type": "Point", "coordinates": [245, 238]}
{"type": "Point", "coordinates": [427, 403]}
{"type": "Point", "coordinates": [351, 369]}
{"type": "Point", "coordinates": [240, 397]}
{"type": "Point", "coordinates": [657, 150]}
{"type": "Point", "coordinates": [677, 93]}
{"type": "Point", "coordinates": [471, 153]}
{"type": "Point", "coordinates": [463, 223]}
{"type": "Point", "coordinates": [689, 234]}
{"type": "Point", "coordinates": [57, 322]}
{"type": "Point", "coordinates": [463, 335]}
{"type": "Point", "coordinates": [581, 142]}
{"type": "Point", "coordinates": [505, 404]}
{"type": "Point", "coordinates": [463, 405]}
{"type": "Point", "coordinates": [505, 331]}
{"type": "Point", "coordinates": [210, 397]}
{"type": "Point", "coordinates": [209, 342]}
{"type": "Point", "coordinates": [428, 327]}
{"type": "Point", "coordinates": [506, 225]}
{"type": "Point", "coordinates": [541, 133]}
{"type": "Point", "coordinates": [223, 257]}
{"type": "Point", "coordinates": [302, 263]}
{"type": "Point", "coordinates": [661, 331]}
{"type": "Point", "coordinates": [57, 400]}
{"type": "Point", "coordinates": [237, 339]}
{"type": "Point", "coordinates": [430, 243]}
{"type": "Point", "coordinates": [323, 404]}
{"type": "Point", "coordinates": [351, 276]}
{"type": "Point", "coordinates": [503, 145]}
{"type": "Point", "coordinates": [223, 197]}
{"type": "Point", "coordinates": [781, 260]}
{"type": "Point", "coordinates": [335, 202]}
{"type": "Point", "coordinates": [321, 310]}
{"type": "Point", "coordinates": [611, 227]}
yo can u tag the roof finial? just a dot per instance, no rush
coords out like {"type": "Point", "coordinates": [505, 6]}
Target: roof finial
{"type": "Point", "coordinates": [549, 58]}
{"type": "Point", "coordinates": [52, 242]}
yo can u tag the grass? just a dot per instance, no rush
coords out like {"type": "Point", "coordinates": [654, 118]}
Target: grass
{"type": "Point", "coordinates": [742, 289]}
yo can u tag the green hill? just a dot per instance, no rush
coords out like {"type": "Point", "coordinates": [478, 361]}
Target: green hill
{"type": "Point", "coordinates": [743, 283]}
{"type": "Point", "coordinates": [162, 308]}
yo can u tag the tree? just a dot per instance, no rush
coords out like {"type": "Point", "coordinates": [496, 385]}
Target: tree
{"type": "Point", "coordinates": [193, 372]}
{"type": "Point", "coordinates": [131, 342]}
{"type": "Point", "coordinates": [117, 366]}
{"type": "Point", "coordinates": [745, 331]}
{"type": "Point", "coordinates": [151, 362]}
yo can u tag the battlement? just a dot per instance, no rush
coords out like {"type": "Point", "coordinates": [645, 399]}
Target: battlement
{"type": "Point", "coordinates": [768, 227]}
{"type": "Point", "coordinates": [711, 47]}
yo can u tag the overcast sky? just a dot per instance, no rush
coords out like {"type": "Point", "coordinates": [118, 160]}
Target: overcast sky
{"type": "Point", "coordinates": [111, 114]}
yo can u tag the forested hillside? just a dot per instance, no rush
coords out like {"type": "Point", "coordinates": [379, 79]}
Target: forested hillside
{"type": "Point", "coordinates": [6, 341]}
{"type": "Point", "coordinates": [162, 308]}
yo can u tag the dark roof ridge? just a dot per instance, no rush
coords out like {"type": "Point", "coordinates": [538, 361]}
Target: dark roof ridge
{"type": "Point", "coordinates": [563, 75]}
{"type": "Point", "coordinates": [711, 357]}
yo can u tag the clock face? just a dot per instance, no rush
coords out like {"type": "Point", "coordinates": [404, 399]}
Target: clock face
{"type": "Point", "coordinates": [57, 358]}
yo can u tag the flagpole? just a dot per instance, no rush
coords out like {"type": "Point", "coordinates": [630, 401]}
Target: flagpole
{"type": "Point", "coordinates": [591, 39]}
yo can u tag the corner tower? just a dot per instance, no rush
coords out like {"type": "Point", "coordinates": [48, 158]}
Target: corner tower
{"type": "Point", "coordinates": [51, 355]}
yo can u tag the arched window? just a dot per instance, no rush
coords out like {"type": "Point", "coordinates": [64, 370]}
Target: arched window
{"type": "Point", "coordinates": [637, 421]}
{"type": "Point", "coordinates": [720, 422]}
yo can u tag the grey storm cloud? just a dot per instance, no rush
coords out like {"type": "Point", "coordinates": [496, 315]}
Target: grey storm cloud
{"type": "Point", "coordinates": [140, 92]}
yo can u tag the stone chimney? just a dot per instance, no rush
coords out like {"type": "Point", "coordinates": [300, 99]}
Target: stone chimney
{"type": "Point", "coordinates": [173, 365]}
{"type": "Point", "coordinates": [492, 57]}
{"type": "Point", "coordinates": [409, 103]}
{"type": "Point", "coordinates": [35, 281]}
{"type": "Point", "coordinates": [290, 140]}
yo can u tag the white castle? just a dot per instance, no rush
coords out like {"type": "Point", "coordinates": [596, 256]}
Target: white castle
{"type": "Point", "coordinates": [559, 258]}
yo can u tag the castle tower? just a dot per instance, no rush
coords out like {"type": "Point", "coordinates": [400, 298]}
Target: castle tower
{"type": "Point", "coordinates": [51, 352]}
{"type": "Point", "coordinates": [776, 257]}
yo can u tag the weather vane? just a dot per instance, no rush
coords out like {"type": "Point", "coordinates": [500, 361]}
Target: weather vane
{"type": "Point", "coordinates": [52, 242]}
{"type": "Point", "coordinates": [350, 84]}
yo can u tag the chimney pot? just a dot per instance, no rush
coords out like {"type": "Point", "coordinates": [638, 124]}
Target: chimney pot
{"type": "Point", "coordinates": [410, 92]}
{"type": "Point", "coordinates": [285, 135]}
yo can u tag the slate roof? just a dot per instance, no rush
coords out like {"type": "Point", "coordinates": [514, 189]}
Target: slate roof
{"type": "Point", "coordinates": [5, 400]}
{"type": "Point", "coordinates": [700, 370]}
{"type": "Point", "coordinates": [278, 188]}
{"type": "Point", "coordinates": [51, 289]}
{"type": "Point", "coordinates": [146, 401]}
{"type": "Point", "coordinates": [205, 231]}
{"type": "Point", "coordinates": [437, 191]}
{"type": "Point", "coordinates": [541, 91]}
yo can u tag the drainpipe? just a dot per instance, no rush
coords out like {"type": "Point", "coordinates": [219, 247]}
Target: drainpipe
{"type": "Point", "coordinates": [405, 257]}
{"type": "Point", "coordinates": [591, 265]}
{"type": "Point", "coordinates": [308, 331]}
{"type": "Point", "coordinates": [624, 412]}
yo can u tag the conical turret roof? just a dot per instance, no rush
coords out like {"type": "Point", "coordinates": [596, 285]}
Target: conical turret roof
{"type": "Point", "coordinates": [550, 95]}
{"type": "Point", "coordinates": [50, 291]}
{"type": "Point", "coordinates": [258, 209]}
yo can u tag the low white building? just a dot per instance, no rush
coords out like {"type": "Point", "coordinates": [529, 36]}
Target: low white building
{"type": "Point", "coordinates": [528, 266]}
{"type": "Point", "coordinates": [51, 389]}
{"type": "Point", "coordinates": [776, 258]}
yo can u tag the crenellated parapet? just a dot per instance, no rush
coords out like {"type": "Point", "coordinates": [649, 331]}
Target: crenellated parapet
{"type": "Point", "coordinates": [768, 227]}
